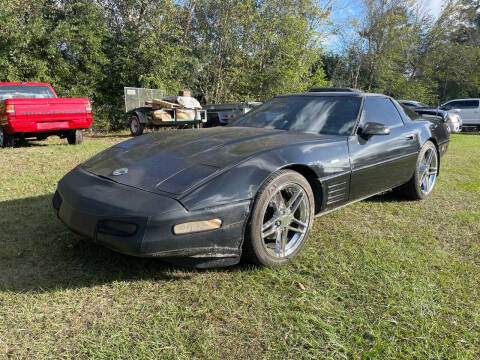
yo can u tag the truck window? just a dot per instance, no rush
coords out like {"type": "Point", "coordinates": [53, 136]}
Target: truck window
{"type": "Point", "coordinates": [25, 92]}
{"type": "Point", "coordinates": [469, 104]}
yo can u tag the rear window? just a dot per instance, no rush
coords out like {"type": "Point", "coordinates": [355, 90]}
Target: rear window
{"type": "Point", "coordinates": [25, 92]}
{"type": "Point", "coordinates": [409, 112]}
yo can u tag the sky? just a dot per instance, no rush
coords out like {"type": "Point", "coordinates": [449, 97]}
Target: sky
{"type": "Point", "coordinates": [434, 6]}
{"type": "Point", "coordinates": [346, 10]}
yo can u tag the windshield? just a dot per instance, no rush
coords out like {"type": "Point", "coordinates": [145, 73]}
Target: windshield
{"type": "Point", "coordinates": [327, 115]}
{"type": "Point", "coordinates": [25, 91]}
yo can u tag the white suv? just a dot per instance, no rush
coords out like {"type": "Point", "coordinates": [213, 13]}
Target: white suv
{"type": "Point", "coordinates": [468, 109]}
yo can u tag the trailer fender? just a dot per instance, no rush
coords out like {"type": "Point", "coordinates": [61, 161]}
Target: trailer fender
{"type": "Point", "coordinates": [140, 113]}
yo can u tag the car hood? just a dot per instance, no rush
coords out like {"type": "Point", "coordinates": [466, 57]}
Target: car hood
{"type": "Point", "coordinates": [177, 161]}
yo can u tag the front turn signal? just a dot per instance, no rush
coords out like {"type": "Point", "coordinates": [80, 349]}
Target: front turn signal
{"type": "Point", "coordinates": [88, 107]}
{"type": "Point", "coordinates": [197, 226]}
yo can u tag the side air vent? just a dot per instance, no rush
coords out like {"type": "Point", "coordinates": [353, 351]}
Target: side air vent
{"type": "Point", "coordinates": [337, 192]}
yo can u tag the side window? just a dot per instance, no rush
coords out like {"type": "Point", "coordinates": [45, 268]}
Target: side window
{"type": "Point", "coordinates": [469, 104]}
{"type": "Point", "coordinates": [382, 111]}
{"type": "Point", "coordinates": [453, 105]}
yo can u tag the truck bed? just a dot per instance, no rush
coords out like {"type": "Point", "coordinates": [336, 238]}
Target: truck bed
{"type": "Point", "coordinates": [43, 115]}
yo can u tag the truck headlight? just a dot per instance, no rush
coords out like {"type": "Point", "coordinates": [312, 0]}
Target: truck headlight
{"type": "Point", "coordinates": [454, 118]}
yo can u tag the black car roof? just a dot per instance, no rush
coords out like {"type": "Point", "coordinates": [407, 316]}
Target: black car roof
{"type": "Point", "coordinates": [339, 94]}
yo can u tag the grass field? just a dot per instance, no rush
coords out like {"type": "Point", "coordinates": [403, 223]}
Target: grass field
{"type": "Point", "coordinates": [381, 279]}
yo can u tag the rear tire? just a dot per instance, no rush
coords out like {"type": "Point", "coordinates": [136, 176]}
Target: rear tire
{"type": "Point", "coordinates": [281, 219]}
{"type": "Point", "coordinates": [75, 138]}
{"type": "Point", "coordinates": [136, 127]}
{"type": "Point", "coordinates": [5, 139]}
{"type": "Point", "coordinates": [426, 170]}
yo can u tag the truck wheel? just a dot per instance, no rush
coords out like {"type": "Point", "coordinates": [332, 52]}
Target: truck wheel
{"type": "Point", "coordinates": [136, 127]}
{"type": "Point", "coordinates": [5, 139]}
{"type": "Point", "coordinates": [75, 138]}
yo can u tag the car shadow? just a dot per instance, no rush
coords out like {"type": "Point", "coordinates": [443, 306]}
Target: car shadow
{"type": "Point", "coordinates": [38, 254]}
{"type": "Point", "coordinates": [28, 144]}
{"type": "Point", "coordinates": [390, 196]}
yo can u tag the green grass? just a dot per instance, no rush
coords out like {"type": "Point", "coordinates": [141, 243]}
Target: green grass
{"type": "Point", "coordinates": [382, 279]}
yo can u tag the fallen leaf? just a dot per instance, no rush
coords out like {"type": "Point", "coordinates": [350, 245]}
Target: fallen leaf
{"type": "Point", "coordinates": [300, 286]}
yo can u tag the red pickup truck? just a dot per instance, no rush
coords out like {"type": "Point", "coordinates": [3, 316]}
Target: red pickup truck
{"type": "Point", "coordinates": [33, 110]}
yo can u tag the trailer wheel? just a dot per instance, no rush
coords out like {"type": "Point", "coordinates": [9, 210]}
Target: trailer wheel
{"type": "Point", "coordinates": [75, 137]}
{"type": "Point", "coordinates": [5, 139]}
{"type": "Point", "coordinates": [136, 127]}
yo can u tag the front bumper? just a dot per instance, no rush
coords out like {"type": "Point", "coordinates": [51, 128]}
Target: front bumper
{"type": "Point", "coordinates": [140, 223]}
{"type": "Point", "coordinates": [455, 127]}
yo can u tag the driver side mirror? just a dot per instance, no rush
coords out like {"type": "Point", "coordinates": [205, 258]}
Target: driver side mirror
{"type": "Point", "coordinates": [373, 128]}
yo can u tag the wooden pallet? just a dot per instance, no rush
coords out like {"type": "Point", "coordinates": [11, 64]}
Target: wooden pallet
{"type": "Point", "coordinates": [165, 104]}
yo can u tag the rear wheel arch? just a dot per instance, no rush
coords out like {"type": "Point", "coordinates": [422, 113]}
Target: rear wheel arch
{"type": "Point", "coordinates": [142, 117]}
{"type": "Point", "coordinates": [434, 141]}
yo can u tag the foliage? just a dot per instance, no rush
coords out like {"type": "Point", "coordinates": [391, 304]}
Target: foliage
{"type": "Point", "coordinates": [222, 50]}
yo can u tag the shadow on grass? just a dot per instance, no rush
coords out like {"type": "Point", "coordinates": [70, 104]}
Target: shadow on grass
{"type": "Point", "coordinates": [388, 197]}
{"type": "Point", "coordinates": [107, 136]}
{"type": "Point", "coordinates": [38, 253]}
{"type": "Point", "coordinates": [28, 143]}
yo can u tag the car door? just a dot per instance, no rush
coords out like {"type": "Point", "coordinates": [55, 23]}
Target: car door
{"type": "Point", "coordinates": [470, 111]}
{"type": "Point", "coordinates": [381, 162]}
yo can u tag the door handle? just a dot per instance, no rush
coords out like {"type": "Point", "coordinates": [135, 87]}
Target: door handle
{"type": "Point", "coordinates": [409, 137]}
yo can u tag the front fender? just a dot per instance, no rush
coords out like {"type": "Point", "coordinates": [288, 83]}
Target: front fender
{"type": "Point", "coordinates": [241, 182]}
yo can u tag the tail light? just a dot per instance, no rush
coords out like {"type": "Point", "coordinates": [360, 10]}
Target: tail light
{"type": "Point", "coordinates": [10, 109]}
{"type": "Point", "coordinates": [88, 107]}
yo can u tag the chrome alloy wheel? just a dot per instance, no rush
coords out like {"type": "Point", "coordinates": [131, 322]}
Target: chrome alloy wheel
{"type": "Point", "coordinates": [428, 171]}
{"type": "Point", "coordinates": [285, 220]}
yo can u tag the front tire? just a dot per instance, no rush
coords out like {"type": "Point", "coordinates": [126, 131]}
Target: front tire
{"type": "Point", "coordinates": [423, 180]}
{"type": "Point", "coordinates": [281, 219]}
{"type": "Point", "coordinates": [75, 138]}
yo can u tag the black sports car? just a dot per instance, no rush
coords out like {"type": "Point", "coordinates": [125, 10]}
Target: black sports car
{"type": "Point", "coordinates": [203, 197]}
